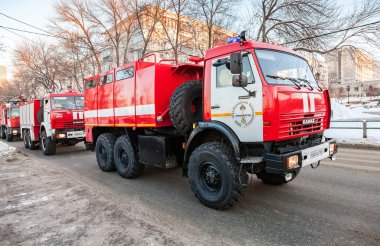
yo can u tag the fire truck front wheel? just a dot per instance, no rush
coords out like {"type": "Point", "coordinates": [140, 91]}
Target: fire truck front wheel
{"type": "Point", "coordinates": [8, 136]}
{"type": "Point", "coordinates": [47, 144]}
{"type": "Point", "coordinates": [25, 139]}
{"type": "Point", "coordinates": [104, 152]}
{"type": "Point", "coordinates": [2, 133]}
{"type": "Point", "coordinates": [125, 160]}
{"type": "Point", "coordinates": [214, 177]}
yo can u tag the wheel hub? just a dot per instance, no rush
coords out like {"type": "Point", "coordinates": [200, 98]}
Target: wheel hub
{"type": "Point", "coordinates": [211, 177]}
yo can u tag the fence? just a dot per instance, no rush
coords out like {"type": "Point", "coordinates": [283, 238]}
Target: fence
{"type": "Point", "coordinates": [364, 125]}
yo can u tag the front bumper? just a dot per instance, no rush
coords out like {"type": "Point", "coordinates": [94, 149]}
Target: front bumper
{"type": "Point", "coordinates": [14, 131]}
{"type": "Point", "coordinates": [277, 163]}
{"type": "Point", "coordinates": [69, 134]}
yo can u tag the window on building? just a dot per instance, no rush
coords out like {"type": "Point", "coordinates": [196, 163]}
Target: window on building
{"type": "Point", "coordinates": [106, 79]}
{"type": "Point", "coordinates": [356, 88]}
{"type": "Point", "coordinates": [125, 73]}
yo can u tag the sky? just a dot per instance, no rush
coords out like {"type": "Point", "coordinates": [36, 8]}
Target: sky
{"type": "Point", "coordinates": [37, 13]}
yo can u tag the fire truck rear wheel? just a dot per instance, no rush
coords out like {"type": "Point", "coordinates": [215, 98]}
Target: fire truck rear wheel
{"type": "Point", "coordinates": [25, 139]}
{"type": "Point", "coordinates": [274, 179]}
{"type": "Point", "coordinates": [47, 144]}
{"type": "Point", "coordinates": [125, 160]}
{"type": "Point", "coordinates": [104, 152]}
{"type": "Point", "coordinates": [186, 106]}
{"type": "Point", "coordinates": [214, 177]}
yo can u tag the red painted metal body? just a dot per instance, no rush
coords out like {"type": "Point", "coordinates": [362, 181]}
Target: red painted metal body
{"type": "Point", "coordinates": [11, 121]}
{"type": "Point", "coordinates": [28, 118]}
{"type": "Point", "coordinates": [139, 101]}
{"type": "Point", "coordinates": [282, 105]}
{"type": "Point", "coordinates": [137, 96]}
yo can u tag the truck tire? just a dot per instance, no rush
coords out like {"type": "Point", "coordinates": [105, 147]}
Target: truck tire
{"type": "Point", "coordinates": [25, 139]}
{"type": "Point", "coordinates": [2, 133]}
{"type": "Point", "coordinates": [214, 177]}
{"type": "Point", "coordinates": [186, 106]}
{"type": "Point", "coordinates": [273, 179]}
{"type": "Point", "coordinates": [104, 152]}
{"type": "Point", "coordinates": [8, 136]}
{"type": "Point", "coordinates": [88, 146]}
{"type": "Point", "coordinates": [125, 160]}
{"type": "Point", "coordinates": [48, 146]}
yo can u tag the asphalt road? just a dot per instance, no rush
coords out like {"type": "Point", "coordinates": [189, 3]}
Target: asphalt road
{"type": "Point", "coordinates": [335, 204]}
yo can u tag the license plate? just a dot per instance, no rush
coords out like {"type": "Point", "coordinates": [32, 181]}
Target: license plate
{"type": "Point", "coordinates": [77, 134]}
{"type": "Point", "coordinates": [316, 153]}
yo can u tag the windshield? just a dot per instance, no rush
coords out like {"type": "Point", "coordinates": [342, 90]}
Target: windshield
{"type": "Point", "coordinates": [281, 68]}
{"type": "Point", "coordinates": [67, 102]}
{"type": "Point", "coordinates": [15, 112]}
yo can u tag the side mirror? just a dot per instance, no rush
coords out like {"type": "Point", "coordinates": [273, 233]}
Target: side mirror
{"type": "Point", "coordinates": [239, 80]}
{"type": "Point", "coordinates": [236, 63]}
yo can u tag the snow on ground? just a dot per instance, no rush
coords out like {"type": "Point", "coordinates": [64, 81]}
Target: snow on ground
{"type": "Point", "coordinates": [5, 149]}
{"type": "Point", "coordinates": [357, 113]}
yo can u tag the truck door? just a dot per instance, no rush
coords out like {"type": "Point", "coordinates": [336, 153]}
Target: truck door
{"type": "Point", "coordinates": [232, 105]}
{"type": "Point", "coordinates": [46, 122]}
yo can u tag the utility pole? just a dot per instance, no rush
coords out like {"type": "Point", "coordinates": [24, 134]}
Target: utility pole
{"type": "Point", "coordinates": [348, 94]}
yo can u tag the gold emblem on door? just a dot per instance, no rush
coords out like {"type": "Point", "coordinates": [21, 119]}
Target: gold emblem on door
{"type": "Point", "coordinates": [243, 114]}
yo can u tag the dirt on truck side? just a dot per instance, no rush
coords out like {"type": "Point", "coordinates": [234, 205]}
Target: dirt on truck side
{"type": "Point", "coordinates": [43, 205]}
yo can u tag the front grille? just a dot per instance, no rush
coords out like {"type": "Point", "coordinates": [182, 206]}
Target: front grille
{"type": "Point", "coordinates": [75, 124]}
{"type": "Point", "coordinates": [300, 124]}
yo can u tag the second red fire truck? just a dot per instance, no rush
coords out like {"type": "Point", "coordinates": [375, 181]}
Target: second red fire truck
{"type": "Point", "coordinates": [251, 108]}
{"type": "Point", "coordinates": [58, 118]}
{"type": "Point", "coordinates": [10, 120]}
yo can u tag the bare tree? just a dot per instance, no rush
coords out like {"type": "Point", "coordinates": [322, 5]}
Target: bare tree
{"type": "Point", "coordinates": [302, 24]}
{"type": "Point", "coordinates": [39, 66]}
{"type": "Point", "coordinates": [72, 17]}
{"type": "Point", "coordinates": [147, 15]}
{"type": "Point", "coordinates": [215, 14]}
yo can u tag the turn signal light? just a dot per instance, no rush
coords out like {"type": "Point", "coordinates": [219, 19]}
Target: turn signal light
{"type": "Point", "coordinates": [292, 162]}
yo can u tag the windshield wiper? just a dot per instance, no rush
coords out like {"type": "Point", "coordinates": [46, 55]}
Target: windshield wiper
{"type": "Point", "coordinates": [308, 82]}
{"type": "Point", "coordinates": [284, 78]}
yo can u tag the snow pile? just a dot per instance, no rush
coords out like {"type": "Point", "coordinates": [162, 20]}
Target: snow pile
{"type": "Point", "coordinates": [341, 112]}
{"type": "Point", "coordinates": [5, 149]}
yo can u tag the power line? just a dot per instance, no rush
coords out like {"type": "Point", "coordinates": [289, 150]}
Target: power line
{"type": "Point", "coordinates": [333, 32]}
{"type": "Point", "coordinates": [25, 23]}
{"type": "Point", "coordinates": [37, 33]}
{"type": "Point", "coordinates": [18, 35]}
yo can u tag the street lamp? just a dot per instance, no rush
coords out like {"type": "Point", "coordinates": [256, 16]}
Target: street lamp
{"type": "Point", "coordinates": [348, 94]}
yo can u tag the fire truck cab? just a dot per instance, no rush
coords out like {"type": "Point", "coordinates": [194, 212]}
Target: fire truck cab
{"type": "Point", "coordinates": [57, 118]}
{"type": "Point", "coordinates": [10, 120]}
{"type": "Point", "coordinates": [251, 108]}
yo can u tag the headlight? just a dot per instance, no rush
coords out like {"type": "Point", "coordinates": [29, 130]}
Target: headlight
{"type": "Point", "coordinates": [61, 135]}
{"type": "Point", "coordinates": [14, 131]}
{"type": "Point", "coordinates": [332, 148]}
{"type": "Point", "coordinates": [292, 162]}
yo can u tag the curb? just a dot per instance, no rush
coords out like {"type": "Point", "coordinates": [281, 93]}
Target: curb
{"type": "Point", "coordinates": [358, 146]}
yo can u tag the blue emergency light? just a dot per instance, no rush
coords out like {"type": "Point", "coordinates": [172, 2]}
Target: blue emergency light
{"type": "Point", "coordinates": [237, 39]}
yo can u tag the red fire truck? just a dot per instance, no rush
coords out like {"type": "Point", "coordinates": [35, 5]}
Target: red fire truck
{"type": "Point", "coordinates": [10, 120]}
{"type": "Point", "coordinates": [251, 108]}
{"type": "Point", "coordinates": [57, 118]}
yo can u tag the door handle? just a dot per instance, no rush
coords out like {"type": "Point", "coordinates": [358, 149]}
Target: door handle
{"type": "Point", "coordinates": [215, 106]}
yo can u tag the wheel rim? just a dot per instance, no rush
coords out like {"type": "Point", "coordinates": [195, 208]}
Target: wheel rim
{"type": "Point", "coordinates": [210, 177]}
{"type": "Point", "coordinates": [103, 153]}
{"type": "Point", "coordinates": [123, 157]}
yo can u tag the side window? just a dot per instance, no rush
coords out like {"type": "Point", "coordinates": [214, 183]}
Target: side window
{"type": "Point", "coordinates": [224, 75]}
{"type": "Point", "coordinates": [125, 73]}
{"type": "Point", "coordinates": [90, 84]}
{"type": "Point", "coordinates": [46, 105]}
{"type": "Point", "coordinates": [106, 79]}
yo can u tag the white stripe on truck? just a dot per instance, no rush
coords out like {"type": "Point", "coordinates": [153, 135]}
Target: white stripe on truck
{"type": "Point", "coordinates": [147, 109]}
